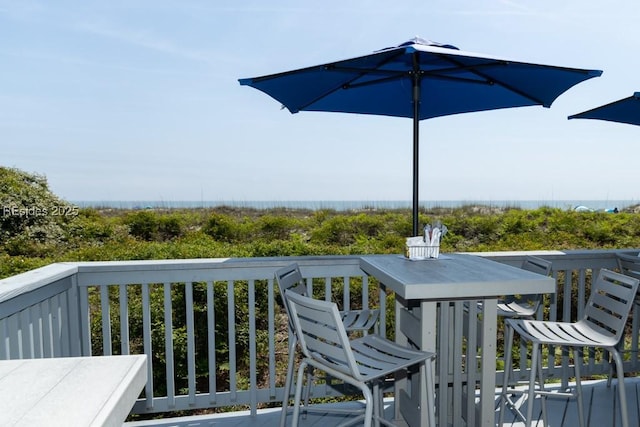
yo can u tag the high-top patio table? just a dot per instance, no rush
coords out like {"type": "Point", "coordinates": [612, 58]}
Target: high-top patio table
{"type": "Point", "coordinates": [433, 299]}
{"type": "Point", "coordinates": [70, 391]}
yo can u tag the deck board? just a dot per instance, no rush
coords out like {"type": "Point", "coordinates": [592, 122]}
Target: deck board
{"type": "Point", "coordinates": [601, 403]}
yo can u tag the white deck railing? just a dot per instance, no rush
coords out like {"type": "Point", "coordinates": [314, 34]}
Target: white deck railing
{"type": "Point", "coordinates": [216, 336]}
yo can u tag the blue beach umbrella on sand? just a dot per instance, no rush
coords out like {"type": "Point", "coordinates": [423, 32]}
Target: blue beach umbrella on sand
{"type": "Point", "coordinates": [420, 80]}
{"type": "Point", "coordinates": [625, 110]}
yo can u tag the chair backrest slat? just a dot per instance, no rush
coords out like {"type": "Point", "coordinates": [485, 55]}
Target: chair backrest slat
{"type": "Point", "coordinates": [317, 324]}
{"type": "Point", "coordinates": [608, 307]}
{"type": "Point", "coordinates": [321, 332]}
{"type": "Point", "coordinates": [605, 319]}
{"type": "Point", "coordinates": [321, 341]}
{"type": "Point", "coordinates": [290, 278]}
{"type": "Point", "coordinates": [629, 265]}
{"type": "Point", "coordinates": [536, 265]}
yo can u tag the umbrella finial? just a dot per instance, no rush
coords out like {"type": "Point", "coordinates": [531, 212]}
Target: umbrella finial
{"type": "Point", "coordinates": [424, 42]}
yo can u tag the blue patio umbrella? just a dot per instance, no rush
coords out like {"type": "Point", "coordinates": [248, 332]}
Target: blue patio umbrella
{"type": "Point", "coordinates": [419, 79]}
{"type": "Point", "coordinates": [625, 110]}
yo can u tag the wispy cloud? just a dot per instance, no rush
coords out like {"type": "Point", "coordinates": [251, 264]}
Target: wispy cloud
{"type": "Point", "coordinates": [501, 7]}
{"type": "Point", "coordinates": [146, 40]}
{"type": "Point", "coordinates": [21, 10]}
{"type": "Point", "coordinates": [517, 6]}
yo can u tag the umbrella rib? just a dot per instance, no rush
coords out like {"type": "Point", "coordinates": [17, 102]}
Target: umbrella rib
{"type": "Point", "coordinates": [433, 75]}
{"type": "Point", "coordinates": [408, 74]}
{"type": "Point", "coordinates": [491, 80]}
{"type": "Point", "coordinates": [344, 85]}
{"type": "Point", "coordinates": [438, 74]}
{"type": "Point", "coordinates": [461, 67]}
{"type": "Point", "coordinates": [519, 92]}
{"type": "Point", "coordinates": [393, 75]}
{"type": "Point", "coordinates": [397, 75]}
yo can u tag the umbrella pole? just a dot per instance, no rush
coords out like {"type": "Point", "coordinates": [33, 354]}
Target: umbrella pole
{"type": "Point", "coordinates": [416, 139]}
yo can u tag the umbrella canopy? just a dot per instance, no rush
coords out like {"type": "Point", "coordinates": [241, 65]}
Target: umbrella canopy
{"type": "Point", "coordinates": [420, 80]}
{"type": "Point", "coordinates": [625, 110]}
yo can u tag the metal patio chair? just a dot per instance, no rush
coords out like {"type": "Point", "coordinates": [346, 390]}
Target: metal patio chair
{"type": "Point", "coordinates": [290, 278]}
{"type": "Point", "coordinates": [630, 266]}
{"type": "Point", "coordinates": [525, 306]}
{"type": "Point", "coordinates": [363, 362]}
{"type": "Point", "coordinates": [602, 325]}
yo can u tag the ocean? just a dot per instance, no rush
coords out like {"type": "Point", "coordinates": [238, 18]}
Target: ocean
{"type": "Point", "coordinates": [346, 205]}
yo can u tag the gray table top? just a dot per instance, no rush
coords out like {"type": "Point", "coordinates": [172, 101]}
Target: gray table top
{"type": "Point", "coordinates": [453, 276]}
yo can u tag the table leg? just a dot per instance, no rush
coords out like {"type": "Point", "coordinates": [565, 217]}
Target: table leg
{"type": "Point", "coordinates": [414, 327]}
{"type": "Point", "coordinates": [428, 324]}
{"type": "Point", "coordinates": [488, 374]}
{"type": "Point", "coordinates": [401, 339]}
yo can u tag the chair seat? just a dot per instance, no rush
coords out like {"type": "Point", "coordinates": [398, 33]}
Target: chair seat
{"type": "Point", "coordinates": [517, 309]}
{"type": "Point", "coordinates": [524, 306]}
{"type": "Point", "coordinates": [377, 357]}
{"type": "Point", "coordinates": [575, 334]}
{"type": "Point", "coordinates": [359, 320]}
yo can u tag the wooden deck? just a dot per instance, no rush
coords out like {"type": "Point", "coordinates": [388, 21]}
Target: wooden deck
{"type": "Point", "coordinates": [601, 403]}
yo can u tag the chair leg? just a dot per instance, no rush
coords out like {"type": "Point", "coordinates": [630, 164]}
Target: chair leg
{"type": "Point", "coordinates": [368, 399]}
{"type": "Point", "coordinates": [576, 364]}
{"type": "Point", "coordinates": [612, 368]}
{"type": "Point", "coordinates": [288, 382]}
{"type": "Point", "coordinates": [621, 390]}
{"type": "Point", "coordinates": [296, 405]}
{"type": "Point", "coordinates": [377, 404]}
{"type": "Point", "coordinates": [535, 354]}
{"type": "Point", "coordinates": [307, 390]}
{"type": "Point", "coordinates": [543, 399]}
{"type": "Point", "coordinates": [620, 346]}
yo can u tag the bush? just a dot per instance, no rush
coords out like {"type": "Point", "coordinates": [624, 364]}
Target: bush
{"type": "Point", "coordinates": [143, 225]}
{"type": "Point", "coordinates": [32, 218]}
{"type": "Point", "coordinates": [170, 227]}
{"type": "Point", "coordinates": [223, 228]}
{"type": "Point", "coordinates": [152, 226]}
{"type": "Point", "coordinates": [271, 227]}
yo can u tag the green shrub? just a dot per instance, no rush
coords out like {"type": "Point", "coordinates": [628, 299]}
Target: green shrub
{"type": "Point", "coordinates": [222, 228]}
{"type": "Point", "coordinates": [92, 226]}
{"type": "Point", "coordinates": [271, 227]}
{"type": "Point", "coordinates": [143, 224]}
{"type": "Point", "coordinates": [11, 265]}
{"type": "Point", "coordinates": [170, 227]}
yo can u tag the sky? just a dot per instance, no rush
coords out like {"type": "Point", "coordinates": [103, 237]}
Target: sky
{"type": "Point", "coordinates": [139, 100]}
